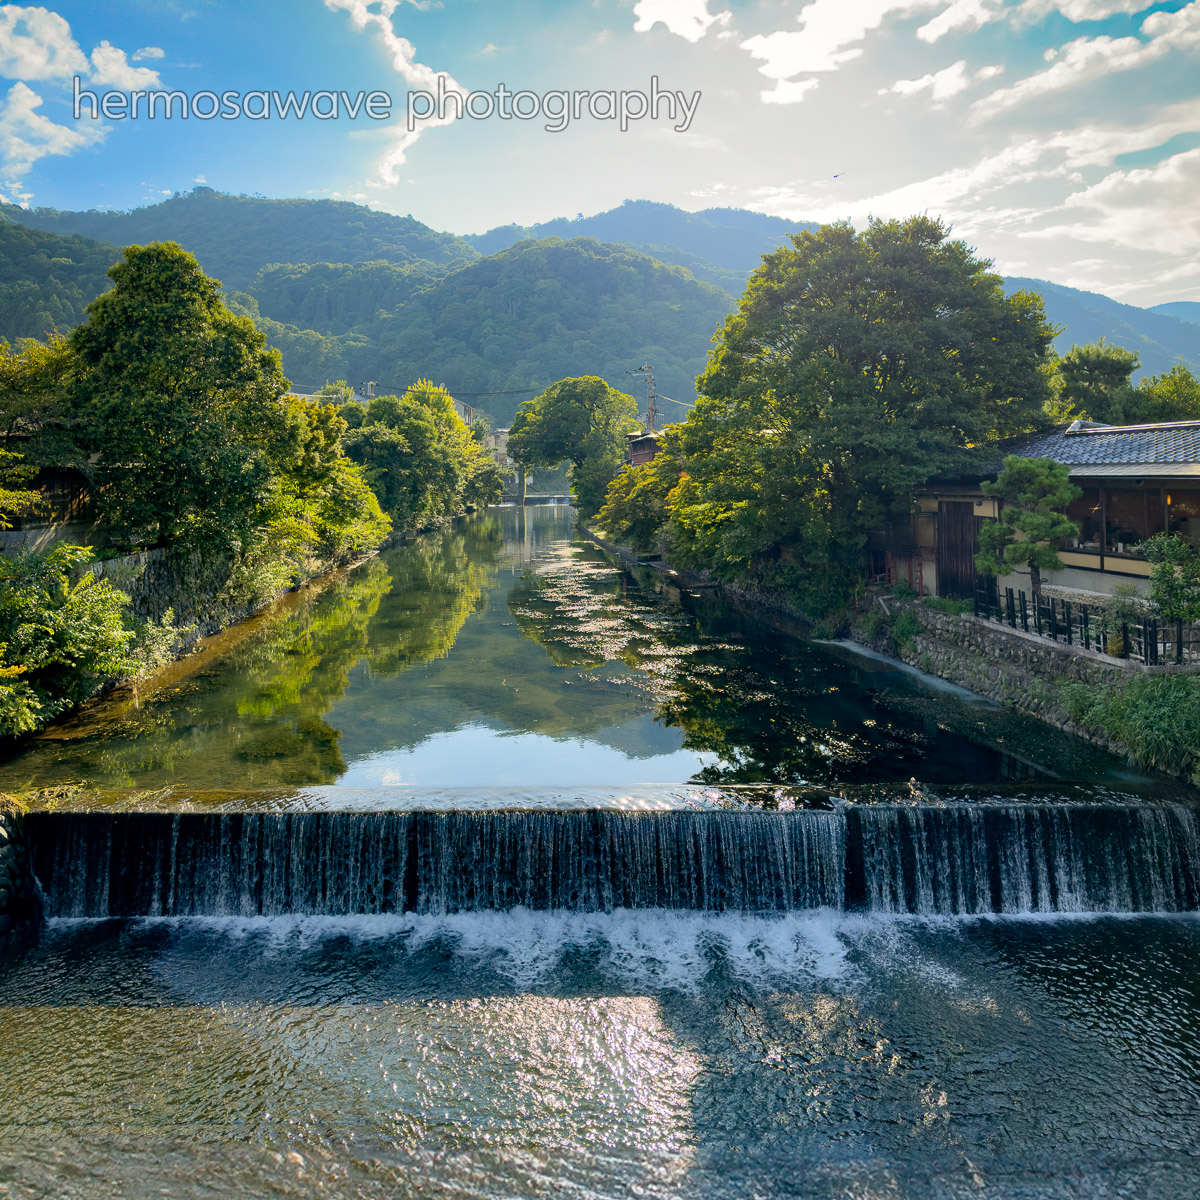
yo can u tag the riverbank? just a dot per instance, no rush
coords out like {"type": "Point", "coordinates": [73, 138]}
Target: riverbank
{"type": "Point", "coordinates": [1065, 687]}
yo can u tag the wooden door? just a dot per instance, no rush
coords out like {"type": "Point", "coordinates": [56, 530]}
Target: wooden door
{"type": "Point", "coordinates": [958, 543]}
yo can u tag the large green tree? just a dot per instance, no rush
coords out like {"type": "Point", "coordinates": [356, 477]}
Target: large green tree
{"type": "Point", "coordinates": [583, 421]}
{"type": "Point", "coordinates": [179, 404]}
{"type": "Point", "coordinates": [857, 366]}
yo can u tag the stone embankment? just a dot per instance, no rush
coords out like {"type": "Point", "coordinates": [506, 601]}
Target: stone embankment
{"type": "Point", "coordinates": [19, 909]}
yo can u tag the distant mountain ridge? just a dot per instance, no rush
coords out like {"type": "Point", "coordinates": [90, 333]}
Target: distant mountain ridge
{"type": "Point", "coordinates": [1161, 338]}
{"type": "Point", "coordinates": [732, 239]}
{"type": "Point", "coordinates": [344, 291]}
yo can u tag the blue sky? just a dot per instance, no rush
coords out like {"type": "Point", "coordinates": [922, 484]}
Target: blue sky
{"type": "Point", "coordinates": [1059, 137]}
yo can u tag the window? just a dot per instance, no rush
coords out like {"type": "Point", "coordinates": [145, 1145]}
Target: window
{"type": "Point", "coordinates": [1134, 514]}
{"type": "Point", "coordinates": [1086, 513]}
{"type": "Point", "coordinates": [1183, 513]}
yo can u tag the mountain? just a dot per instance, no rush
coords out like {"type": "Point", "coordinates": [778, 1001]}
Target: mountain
{"type": "Point", "coordinates": [346, 292]}
{"type": "Point", "coordinates": [1185, 310]}
{"type": "Point", "coordinates": [46, 280]}
{"type": "Point", "coordinates": [730, 239]}
{"type": "Point", "coordinates": [520, 319]}
{"type": "Point", "coordinates": [235, 236]}
{"type": "Point", "coordinates": [1160, 338]}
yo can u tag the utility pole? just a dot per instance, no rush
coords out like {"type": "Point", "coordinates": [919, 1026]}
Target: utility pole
{"type": "Point", "coordinates": [651, 396]}
{"type": "Point", "coordinates": [368, 389]}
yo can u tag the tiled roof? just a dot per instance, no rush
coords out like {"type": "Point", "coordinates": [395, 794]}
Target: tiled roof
{"type": "Point", "coordinates": [1086, 443]}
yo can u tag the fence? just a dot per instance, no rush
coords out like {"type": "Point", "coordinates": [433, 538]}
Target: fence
{"type": "Point", "coordinates": [1094, 627]}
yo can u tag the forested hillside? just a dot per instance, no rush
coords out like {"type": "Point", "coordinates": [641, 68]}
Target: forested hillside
{"type": "Point", "coordinates": [347, 292]}
{"type": "Point", "coordinates": [731, 240]}
{"type": "Point", "coordinates": [518, 319]}
{"type": "Point", "coordinates": [1185, 310]}
{"type": "Point", "coordinates": [46, 281]}
{"type": "Point", "coordinates": [235, 236]}
{"type": "Point", "coordinates": [1160, 338]}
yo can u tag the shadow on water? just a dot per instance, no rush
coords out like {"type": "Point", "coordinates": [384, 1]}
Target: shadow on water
{"type": "Point", "coordinates": [505, 652]}
{"type": "Point", "coordinates": [519, 1054]}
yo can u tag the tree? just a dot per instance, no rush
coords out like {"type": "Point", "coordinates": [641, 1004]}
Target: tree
{"type": "Point", "coordinates": [857, 366]}
{"type": "Point", "coordinates": [1174, 396]}
{"type": "Point", "coordinates": [180, 402]}
{"type": "Point", "coordinates": [1035, 493]}
{"type": "Point", "coordinates": [1174, 581]}
{"type": "Point", "coordinates": [1094, 383]}
{"type": "Point", "coordinates": [419, 456]}
{"type": "Point", "coordinates": [580, 420]}
{"type": "Point", "coordinates": [336, 393]}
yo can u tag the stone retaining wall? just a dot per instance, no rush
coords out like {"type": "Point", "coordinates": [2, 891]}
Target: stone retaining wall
{"type": "Point", "coordinates": [19, 907]}
{"type": "Point", "coordinates": [1006, 665]}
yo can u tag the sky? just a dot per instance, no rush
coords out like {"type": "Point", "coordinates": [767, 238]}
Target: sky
{"type": "Point", "coordinates": [1060, 138]}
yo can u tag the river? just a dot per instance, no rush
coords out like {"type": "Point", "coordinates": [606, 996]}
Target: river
{"type": "Point", "coordinates": [494, 869]}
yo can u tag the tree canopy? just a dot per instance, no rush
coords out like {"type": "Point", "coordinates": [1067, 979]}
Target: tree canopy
{"type": "Point", "coordinates": [857, 366]}
{"type": "Point", "coordinates": [583, 421]}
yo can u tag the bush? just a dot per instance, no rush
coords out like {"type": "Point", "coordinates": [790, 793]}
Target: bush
{"type": "Point", "coordinates": [1155, 717]}
{"type": "Point", "coordinates": [946, 605]}
{"type": "Point", "coordinates": [902, 591]}
{"type": "Point", "coordinates": [905, 628]}
{"type": "Point", "coordinates": [59, 638]}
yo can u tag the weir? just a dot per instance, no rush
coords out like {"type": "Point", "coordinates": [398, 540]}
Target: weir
{"type": "Point", "coordinates": [937, 861]}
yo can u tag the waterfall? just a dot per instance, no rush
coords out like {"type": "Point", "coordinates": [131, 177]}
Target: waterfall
{"type": "Point", "coordinates": [892, 859]}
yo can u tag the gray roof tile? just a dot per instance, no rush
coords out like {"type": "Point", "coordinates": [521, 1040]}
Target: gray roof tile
{"type": "Point", "coordinates": [1085, 443]}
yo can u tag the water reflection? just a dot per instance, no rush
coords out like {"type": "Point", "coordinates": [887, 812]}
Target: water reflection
{"type": "Point", "coordinates": [506, 652]}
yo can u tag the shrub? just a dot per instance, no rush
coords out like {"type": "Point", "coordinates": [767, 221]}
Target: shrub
{"type": "Point", "coordinates": [946, 605]}
{"type": "Point", "coordinates": [1155, 717]}
{"type": "Point", "coordinates": [59, 637]}
{"type": "Point", "coordinates": [905, 628]}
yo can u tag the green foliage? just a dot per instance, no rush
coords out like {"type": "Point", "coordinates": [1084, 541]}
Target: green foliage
{"type": "Point", "coordinates": [1035, 492]}
{"type": "Point", "coordinates": [635, 506]}
{"type": "Point", "coordinates": [47, 281]}
{"type": "Point", "coordinates": [584, 421]}
{"type": "Point", "coordinates": [945, 604]}
{"type": "Point", "coordinates": [856, 367]}
{"type": "Point", "coordinates": [155, 643]}
{"type": "Point", "coordinates": [1174, 577]}
{"type": "Point", "coordinates": [905, 628]}
{"type": "Point", "coordinates": [420, 457]}
{"type": "Point", "coordinates": [234, 236]}
{"type": "Point", "coordinates": [1173, 396]}
{"type": "Point", "coordinates": [61, 634]}
{"type": "Point", "coordinates": [178, 402]}
{"type": "Point", "coordinates": [1155, 717]}
{"type": "Point", "coordinates": [1094, 383]}
{"type": "Point", "coordinates": [15, 499]}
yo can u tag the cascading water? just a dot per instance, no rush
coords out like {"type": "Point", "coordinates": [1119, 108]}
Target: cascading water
{"type": "Point", "coordinates": [892, 859]}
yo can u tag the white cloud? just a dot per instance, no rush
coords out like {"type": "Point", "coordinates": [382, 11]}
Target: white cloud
{"type": "Point", "coordinates": [942, 85]}
{"type": "Point", "coordinates": [1153, 208]}
{"type": "Point", "coordinates": [1082, 10]}
{"type": "Point", "coordinates": [1087, 59]}
{"type": "Point", "coordinates": [110, 66]}
{"type": "Point", "coordinates": [36, 43]}
{"type": "Point", "coordinates": [831, 29]}
{"type": "Point", "coordinates": [688, 19]}
{"type": "Point", "coordinates": [962, 14]}
{"type": "Point", "coordinates": [148, 52]}
{"type": "Point", "coordinates": [418, 76]}
{"type": "Point", "coordinates": [26, 136]}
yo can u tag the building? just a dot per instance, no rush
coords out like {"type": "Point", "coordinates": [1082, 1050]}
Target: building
{"type": "Point", "coordinates": [496, 444]}
{"type": "Point", "coordinates": [642, 447]}
{"type": "Point", "coordinates": [1137, 480]}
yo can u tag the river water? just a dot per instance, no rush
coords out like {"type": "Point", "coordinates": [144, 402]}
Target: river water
{"type": "Point", "coordinates": [464, 875]}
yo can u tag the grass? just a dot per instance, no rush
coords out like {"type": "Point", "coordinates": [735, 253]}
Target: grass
{"type": "Point", "coordinates": [945, 604]}
{"type": "Point", "coordinates": [1155, 717]}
